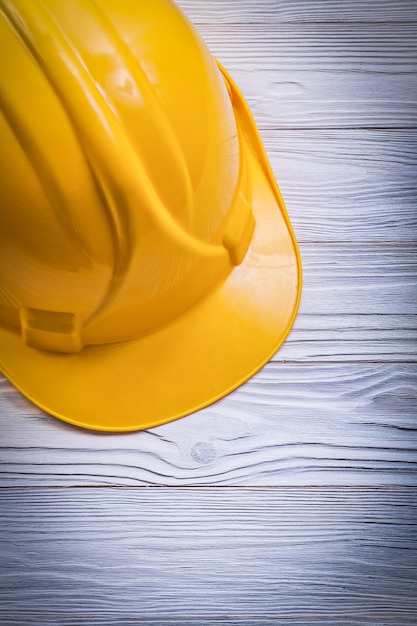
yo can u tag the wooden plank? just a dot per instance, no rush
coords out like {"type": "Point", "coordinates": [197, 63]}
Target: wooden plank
{"type": "Point", "coordinates": [198, 556]}
{"type": "Point", "coordinates": [358, 303]}
{"type": "Point", "coordinates": [270, 11]}
{"type": "Point", "coordinates": [321, 98]}
{"type": "Point", "coordinates": [388, 48]}
{"type": "Point", "coordinates": [310, 424]}
{"type": "Point", "coordinates": [364, 279]}
{"type": "Point", "coordinates": [347, 185]}
{"type": "Point", "coordinates": [375, 337]}
{"type": "Point", "coordinates": [322, 75]}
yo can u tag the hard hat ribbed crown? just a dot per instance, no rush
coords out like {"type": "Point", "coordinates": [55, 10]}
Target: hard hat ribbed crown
{"type": "Point", "coordinates": [120, 169]}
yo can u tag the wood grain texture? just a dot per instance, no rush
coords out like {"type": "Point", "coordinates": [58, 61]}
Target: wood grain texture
{"type": "Point", "coordinates": [296, 556]}
{"type": "Point", "coordinates": [363, 279]}
{"type": "Point", "coordinates": [309, 424]}
{"type": "Point", "coordinates": [341, 96]}
{"type": "Point", "coordinates": [348, 185]}
{"type": "Point", "coordinates": [388, 48]}
{"type": "Point", "coordinates": [377, 337]}
{"type": "Point", "coordinates": [271, 11]}
{"type": "Point", "coordinates": [322, 75]}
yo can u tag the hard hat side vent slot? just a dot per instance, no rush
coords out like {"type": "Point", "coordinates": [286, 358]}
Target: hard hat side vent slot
{"type": "Point", "coordinates": [51, 330]}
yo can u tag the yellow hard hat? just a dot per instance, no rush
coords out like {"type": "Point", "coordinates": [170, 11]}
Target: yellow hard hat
{"type": "Point", "coordinates": [147, 263]}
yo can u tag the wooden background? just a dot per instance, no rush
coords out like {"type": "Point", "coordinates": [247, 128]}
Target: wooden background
{"type": "Point", "coordinates": [293, 500]}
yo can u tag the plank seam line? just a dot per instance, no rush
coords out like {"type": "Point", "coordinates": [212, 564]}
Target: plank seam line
{"type": "Point", "coordinates": [215, 487]}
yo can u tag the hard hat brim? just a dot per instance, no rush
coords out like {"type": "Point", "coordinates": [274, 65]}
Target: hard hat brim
{"type": "Point", "coordinates": [198, 357]}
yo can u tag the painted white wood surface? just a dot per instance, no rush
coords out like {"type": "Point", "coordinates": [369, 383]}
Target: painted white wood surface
{"type": "Point", "coordinates": [309, 424]}
{"type": "Point", "coordinates": [329, 426]}
{"type": "Point", "coordinates": [209, 556]}
{"type": "Point", "coordinates": [304, 11]}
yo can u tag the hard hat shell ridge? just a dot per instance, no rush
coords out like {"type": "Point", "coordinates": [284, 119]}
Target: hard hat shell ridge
{"type": "Point", "coordinates": [147, 263]}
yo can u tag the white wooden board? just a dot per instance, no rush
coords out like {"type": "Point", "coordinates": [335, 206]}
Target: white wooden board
{"type": "Point", "coordinates": [210, 556]}
{"type": "Point", "coordinates": [309, 424]}
{"type": "Point", "coordinates": [304, 11]}
{"type": "Point", "coordinates": [291, 501]}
